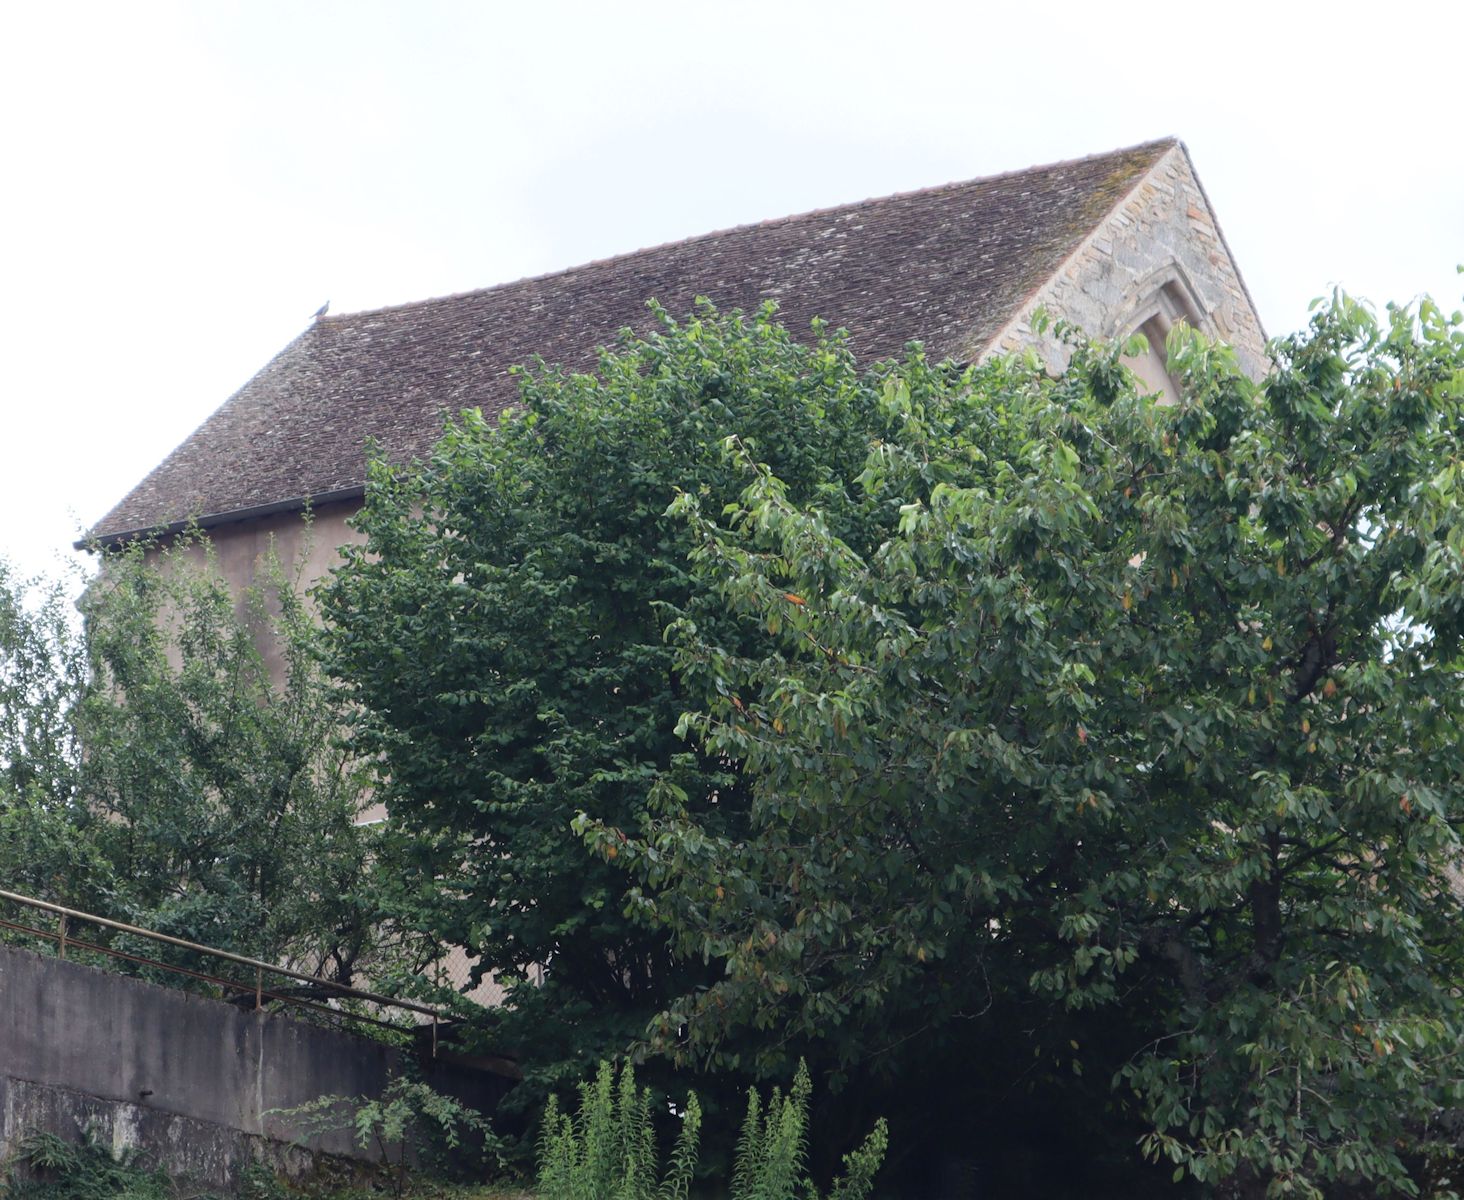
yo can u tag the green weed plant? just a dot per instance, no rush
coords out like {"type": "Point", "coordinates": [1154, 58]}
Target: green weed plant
{"type": "Point", "coordinates": [607, 1151]}
{"type": "Point", "coordinates": [47, 1167]}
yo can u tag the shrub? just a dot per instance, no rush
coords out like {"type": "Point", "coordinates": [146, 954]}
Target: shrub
{"type": "Point", "coordinates": [410, 1122]}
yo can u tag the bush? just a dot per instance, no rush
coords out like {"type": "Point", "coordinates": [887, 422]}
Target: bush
{"type": "Point", "coordinates": [410, 1123]}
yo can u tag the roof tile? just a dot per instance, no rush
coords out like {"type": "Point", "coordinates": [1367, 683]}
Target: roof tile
{"type": "Point", "coordinates": [947, 265]}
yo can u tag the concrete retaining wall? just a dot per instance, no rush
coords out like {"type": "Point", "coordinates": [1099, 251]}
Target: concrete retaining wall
{"type": "Point", "coordinates": [187, 1079]}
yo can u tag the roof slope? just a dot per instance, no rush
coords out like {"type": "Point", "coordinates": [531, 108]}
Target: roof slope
{"type": "Point", "coordinates": [947, 265]}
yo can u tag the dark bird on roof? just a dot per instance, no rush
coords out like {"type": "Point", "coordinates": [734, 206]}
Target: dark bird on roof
{"type": "Point", "coordinates": [321, 311]}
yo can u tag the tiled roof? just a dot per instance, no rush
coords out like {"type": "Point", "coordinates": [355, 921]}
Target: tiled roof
{"type": "Point", "coordinates": [947, 265]}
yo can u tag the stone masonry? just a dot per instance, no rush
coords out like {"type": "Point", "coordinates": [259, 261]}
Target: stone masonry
{"type": "Point", "coordinates": [1162, 233]}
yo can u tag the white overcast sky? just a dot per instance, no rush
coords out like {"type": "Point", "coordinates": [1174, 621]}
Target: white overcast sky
{"type": "Point", "coordinates": [184, 184]}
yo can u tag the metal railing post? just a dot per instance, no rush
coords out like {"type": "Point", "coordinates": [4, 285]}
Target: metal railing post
{"type": "Point", "coordinates": [61, 936]}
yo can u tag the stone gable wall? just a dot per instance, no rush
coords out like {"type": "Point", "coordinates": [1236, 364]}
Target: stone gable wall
{"type": "Point", "coordinates": [1163, 229]}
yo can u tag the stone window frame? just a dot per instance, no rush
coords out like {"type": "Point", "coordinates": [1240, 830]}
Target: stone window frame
{"type": "Point", "coordinates": [1155, 304]}
{"type": "Point", "coordinates": [1166, 293]}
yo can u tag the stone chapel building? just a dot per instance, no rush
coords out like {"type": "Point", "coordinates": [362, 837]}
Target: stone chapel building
{"type": "Point", "coordinates": [1114, 243]}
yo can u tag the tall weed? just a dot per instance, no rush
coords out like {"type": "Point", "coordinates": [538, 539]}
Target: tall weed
{"type": "Point", "coordinates": [607, 1150]}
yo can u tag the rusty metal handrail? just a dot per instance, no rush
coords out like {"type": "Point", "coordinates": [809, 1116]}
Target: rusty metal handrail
{"type": "Point", "coordinates": [335, 989]}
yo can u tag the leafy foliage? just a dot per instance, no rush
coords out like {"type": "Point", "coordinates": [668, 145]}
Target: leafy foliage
{"type": "Point", "coordinates": [501, 629]}
{"type": "Point", "coordinates": [213, 800]}
{"type": "Point", "coordinates": [42, 672]}
{"type": "Point", "coordinates": [411, 1124]}
{"type": "Point", "coordinates": [607, 1150]}
{"type": "Point", "coordinates": [44, 1167]}
{"type": "Point", "coordinates": [229, 804]}
{"type": "Point", "coordinates": [45, 825]}
{"type": "Point", "coordinates": [1137, 745]}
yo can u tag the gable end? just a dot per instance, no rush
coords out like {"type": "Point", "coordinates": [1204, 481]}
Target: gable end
{"type": "Point", "coordinates": [1158, 253]}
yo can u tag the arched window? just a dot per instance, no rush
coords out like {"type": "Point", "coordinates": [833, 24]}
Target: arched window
{"type": "Point", "coordinates": [1155, 305]}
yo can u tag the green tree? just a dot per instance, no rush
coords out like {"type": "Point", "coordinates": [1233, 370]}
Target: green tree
{"type": "Point", "coordinates": [501, 630]}
{"type": "Point", "coordinates": [44, 824]}
{"type": "Point", "coordinates": [1137, 748]}
{"type": "Point", "coordinates": [151, 769]}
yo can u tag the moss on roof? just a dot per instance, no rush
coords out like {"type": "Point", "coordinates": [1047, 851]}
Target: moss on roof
{"type": "Point", "coordinates": [948, 265]}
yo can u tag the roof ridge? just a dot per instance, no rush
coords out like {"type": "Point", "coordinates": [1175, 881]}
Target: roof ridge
{"type": "Point", "coordinates": [1166, 143]}
{"type": "Point", "coordinates": [943, 263]}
